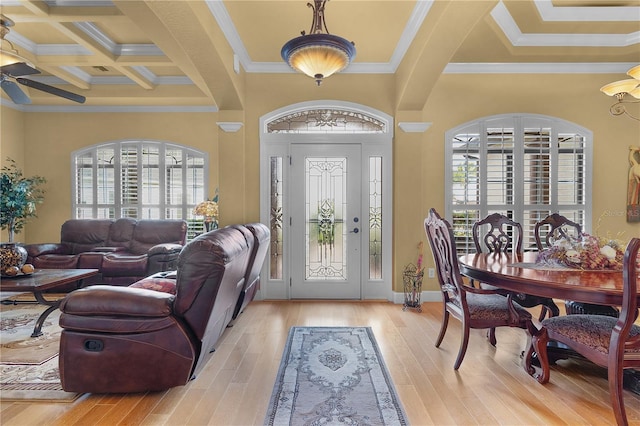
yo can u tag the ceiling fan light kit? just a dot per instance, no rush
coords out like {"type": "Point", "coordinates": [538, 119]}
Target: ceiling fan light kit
{"type": "Point", "coordinates": [620, 89]}
{"type": "Point", "coordinates": [318, 54]}
{"type": "Point", "coordinates": [14, 67]}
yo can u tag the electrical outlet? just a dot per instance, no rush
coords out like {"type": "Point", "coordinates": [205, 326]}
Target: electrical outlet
{"type": "Point", "coordinates": [432, 273]}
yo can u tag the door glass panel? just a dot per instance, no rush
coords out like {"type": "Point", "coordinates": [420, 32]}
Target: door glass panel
{"type": "Point", "coordinates": [277, 237]}
{"type": "Point", "coordinates": [375, 218]}
{"type": "Point", "coordinates": [325, 205]}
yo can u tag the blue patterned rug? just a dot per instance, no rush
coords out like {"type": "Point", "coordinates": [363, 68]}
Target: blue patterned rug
{"type": "Point", "coordinates": [333, 376]}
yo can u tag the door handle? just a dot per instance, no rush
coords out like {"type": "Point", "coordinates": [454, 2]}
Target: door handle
{"type": "Point", "coordinates": [355, 231]}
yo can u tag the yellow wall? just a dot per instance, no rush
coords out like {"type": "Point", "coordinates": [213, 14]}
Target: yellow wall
{"type": "Point", "coordinates": [50, 138]}
{"type": "Point", "coordinates": [43, 142]}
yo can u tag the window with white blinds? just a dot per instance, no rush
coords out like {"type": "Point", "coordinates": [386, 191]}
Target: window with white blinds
{"type": "Point", "coordinates": [523, 166]}
{"type": "Point", "coordinates": [140, 180]}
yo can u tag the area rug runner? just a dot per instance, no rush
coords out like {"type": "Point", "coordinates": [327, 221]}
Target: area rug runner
{"type": "Point", "coordinates": [333, 375]}
{"type": "Point", "coordinates": [29, 365]}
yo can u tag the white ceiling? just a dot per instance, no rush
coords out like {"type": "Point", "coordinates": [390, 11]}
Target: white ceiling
{"type": "Point", "coordinates": [192, 55]}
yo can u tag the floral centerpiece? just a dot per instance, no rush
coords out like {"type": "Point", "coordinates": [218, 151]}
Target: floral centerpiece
{"type": "Point", "coordinates": [208, 209]}
{"type": "Point", "coordinates": [588, 253]}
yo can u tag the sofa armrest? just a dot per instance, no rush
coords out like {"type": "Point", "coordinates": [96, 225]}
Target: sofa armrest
{"type": "Point", "coordinates": [163, 257]}
{"type": "Point", "coordinates": [35, 250]}
{"type": "Point", "coordinates": [104, 300]}
{"type": "Point", "coordinates": [167, 248]}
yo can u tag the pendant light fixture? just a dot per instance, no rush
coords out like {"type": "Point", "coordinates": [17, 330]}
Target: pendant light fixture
{"type": "Point", "coordinates": [626, 92]}
{"type": "Point", "coordinates": [318, 54]}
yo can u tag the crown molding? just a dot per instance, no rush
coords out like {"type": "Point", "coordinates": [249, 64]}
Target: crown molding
{"type": "Point", "coordinates": [550, 13]}
{"type": "Point", "coordinates": [110, 108]}
{"type": "Point", "coordinates": [538, 68]}
{"type": "Point", "coordinates": [510, 28]}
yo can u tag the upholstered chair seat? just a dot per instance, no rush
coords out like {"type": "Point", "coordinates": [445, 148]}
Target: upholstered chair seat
{"type": "Point", "coordinates": [587, 331]}
{"type": "Point", "coordinates": [493, 307]}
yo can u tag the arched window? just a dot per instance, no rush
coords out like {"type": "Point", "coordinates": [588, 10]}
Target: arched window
{"type": "Point", "coordinates": [139, 179]}
{"type": "Point", "coordinates": [525, 166]}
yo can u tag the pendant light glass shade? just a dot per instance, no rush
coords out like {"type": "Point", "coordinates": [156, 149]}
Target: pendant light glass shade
{"type": "Point", "coordinates": [621, 86]}
{"type": "Point", "coordinates": [318, 54]}
{"type": "Point", "coordinates": [635, 73]}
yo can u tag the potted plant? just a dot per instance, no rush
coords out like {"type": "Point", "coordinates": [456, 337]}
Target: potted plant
{"type": "Point", "coordinates": [18, 198]}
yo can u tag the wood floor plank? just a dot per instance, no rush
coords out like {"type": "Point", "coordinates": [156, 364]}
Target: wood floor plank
{"type": "Point", "coordinates": [491, 387]}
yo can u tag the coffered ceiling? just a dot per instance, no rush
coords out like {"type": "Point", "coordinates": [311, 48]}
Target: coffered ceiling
{"type": "Point", "coordinates": [194, 55]}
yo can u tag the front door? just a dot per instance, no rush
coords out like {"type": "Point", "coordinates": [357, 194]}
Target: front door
{"type": "Point", "coordinates": [326, 220]}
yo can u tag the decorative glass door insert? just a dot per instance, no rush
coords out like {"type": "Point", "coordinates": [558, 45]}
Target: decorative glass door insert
{"type": "Point", "coordinates": [325, 221]}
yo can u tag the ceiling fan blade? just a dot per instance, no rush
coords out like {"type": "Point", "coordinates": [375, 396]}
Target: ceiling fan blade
{"type": "Point", "coordinates": [15, 93]}
{"type": "Point", "coordinates": [53, 90]}
{"type": "Point", "coordinates": [18, 69]}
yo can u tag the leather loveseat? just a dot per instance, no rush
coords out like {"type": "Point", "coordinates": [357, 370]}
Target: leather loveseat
{"type": "Point", "coordinates": [124, 250]}
{"type": "Point", "coordinates": [132, 339]}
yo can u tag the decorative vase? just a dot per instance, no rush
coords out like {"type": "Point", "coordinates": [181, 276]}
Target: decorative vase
{"type": "Point", "coordinates": [210, 225]}
{"type": "Point", "coordinates": [12, 254]}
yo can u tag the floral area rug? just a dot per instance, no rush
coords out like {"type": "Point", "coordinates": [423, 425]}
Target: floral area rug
{"type": "Point", "coordinates": [29, 365]}
{"type": "Point", "coordinates": [333, 375]}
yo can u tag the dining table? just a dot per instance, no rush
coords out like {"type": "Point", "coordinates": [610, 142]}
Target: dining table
{"type": "Point", "coordinates": [520, 274]}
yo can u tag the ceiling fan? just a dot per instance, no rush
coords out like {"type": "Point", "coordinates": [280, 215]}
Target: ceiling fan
{"type": "Point", "coordinates": [17, 67]}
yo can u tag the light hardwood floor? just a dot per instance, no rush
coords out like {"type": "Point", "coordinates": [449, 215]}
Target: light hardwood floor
{"type": "Point", "coordinates": [490, 387]}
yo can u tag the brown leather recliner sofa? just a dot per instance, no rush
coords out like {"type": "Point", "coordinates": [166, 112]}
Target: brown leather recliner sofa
{"type": "Point", "coordinates": [124, 250]}
{"type": "Point", "coordinates": [131, 339]}
{"type": "Point", "coordinates": [262, 238]}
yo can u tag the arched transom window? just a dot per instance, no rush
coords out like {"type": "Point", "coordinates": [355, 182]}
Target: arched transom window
{"type": "Point", "coordinates": [326, 120]}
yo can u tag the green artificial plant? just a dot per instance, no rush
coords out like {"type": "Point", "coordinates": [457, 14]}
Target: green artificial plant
{"type": "Point", "coordinates": [18, 198]}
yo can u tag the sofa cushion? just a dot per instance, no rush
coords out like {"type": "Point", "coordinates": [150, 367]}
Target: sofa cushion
{"type": "Point", "coordinates": [124, 265]}
{"type": "Point", "coordinates": [121, 233]}
{"type": "Point", "coordinates": [56, 261]}
{"type": "Point", "coordinates": [81, 235]}
{"type": "Point", "coordinates": [90, 260]}
{"type": "Point", "coordinates": [148, 233]}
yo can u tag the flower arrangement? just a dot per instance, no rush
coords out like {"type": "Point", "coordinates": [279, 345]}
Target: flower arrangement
{"type": "Point", "coordinates": [208, 209]}
{"type": "Point", "coordinates": [589, 253]}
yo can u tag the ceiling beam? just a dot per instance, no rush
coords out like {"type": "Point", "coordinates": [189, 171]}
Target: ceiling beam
{"type": "Point", "coordinates": [165, 27]}
{"type": "Point", "coordinates": [66, 76]}
{"type": "Point", "coordinates": [439, 40]}
{"type": "Point", "coordinates": [135, 76]}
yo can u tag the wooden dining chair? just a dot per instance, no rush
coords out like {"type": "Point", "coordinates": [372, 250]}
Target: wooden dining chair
{"type": "Point", "coordinates": [499, 233]}
{"type": "Point", "coordinates": [556, 227]}
{"type": "Point", "coordinates": [609, 342]}
{"type": "Point", "coordinates": [474, 307]}
{"type": "Point", "coordinates": [553, 228]}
